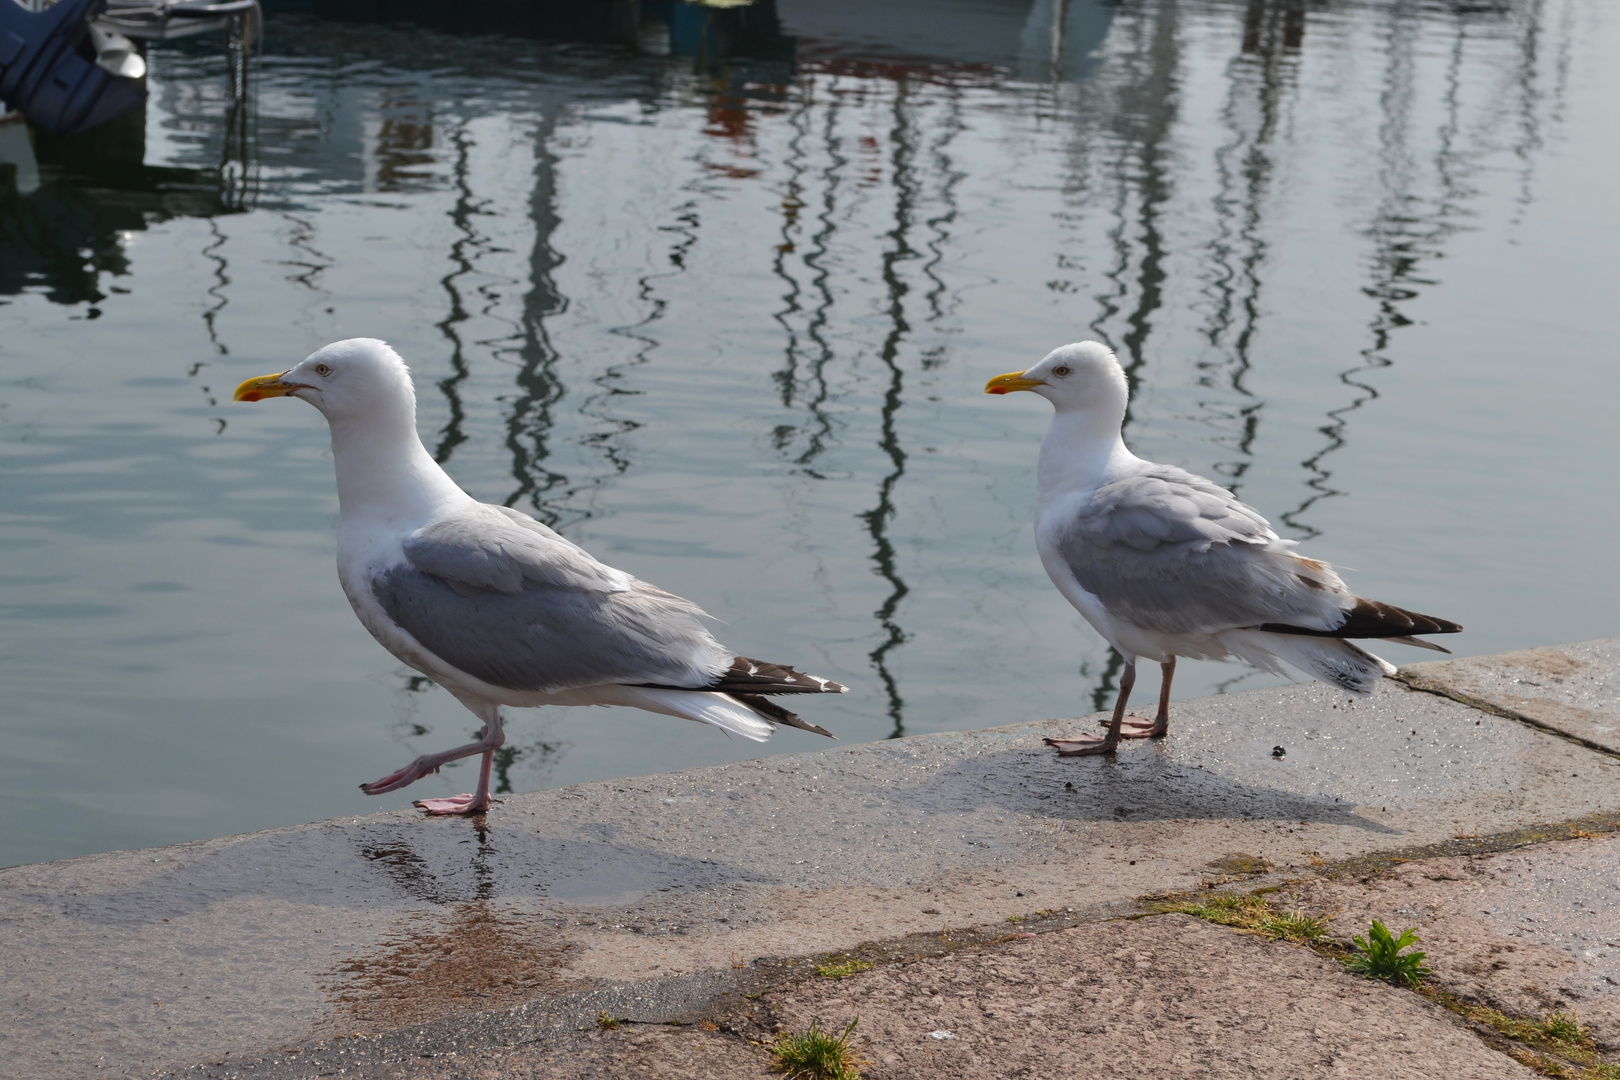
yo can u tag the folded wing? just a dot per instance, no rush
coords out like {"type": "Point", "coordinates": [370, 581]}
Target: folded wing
{"type": "Point", "coordinates": [507, 600]}
{"type": "Point", "coordinates": [1173, 553]}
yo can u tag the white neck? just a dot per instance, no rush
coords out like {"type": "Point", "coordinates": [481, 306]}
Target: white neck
{"type": "Point", "coordinates": [384, 471]}
{"type": "Point", "coordinates": [1079, 451]}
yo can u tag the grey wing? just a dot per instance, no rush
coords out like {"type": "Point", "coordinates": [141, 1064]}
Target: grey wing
{"type": "Point", "coordinates": [496, 548]}
{"type": "Point", "coordinates": [540, 614]}
{"type": "Point", "coordinates": [1169, 551]}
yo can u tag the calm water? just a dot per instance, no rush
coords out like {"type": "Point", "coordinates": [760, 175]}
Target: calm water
{"type": "Point", "coordinates": [725, 321]}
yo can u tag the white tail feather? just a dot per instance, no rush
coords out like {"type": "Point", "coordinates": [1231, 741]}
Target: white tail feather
{"type": "Point", "coordinates": [1333, 660]}
{"type": "Point", "coordinates": [704, 706]}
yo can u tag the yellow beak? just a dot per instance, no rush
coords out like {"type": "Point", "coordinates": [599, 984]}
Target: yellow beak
{"type": "Point", "coordinates": [263, 386]}
{"type": "Point", "coordinates": [1006, 384]}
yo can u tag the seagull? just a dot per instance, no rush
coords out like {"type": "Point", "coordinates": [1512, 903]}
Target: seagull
{"type": "Point", "coordinates": [491, 604]}
{"type": "Point", "coordinates": [1164, 563]}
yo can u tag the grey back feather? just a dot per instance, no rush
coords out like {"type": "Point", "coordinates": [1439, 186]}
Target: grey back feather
{"type": "Point", "coordinates": [486, 548]}
{"type": "Point", "coordinates": [1172, 552]}
{"type": "Point", "coordinates": [507, 600]}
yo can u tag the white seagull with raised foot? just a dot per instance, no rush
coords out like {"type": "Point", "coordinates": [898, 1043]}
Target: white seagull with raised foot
{"type": "Point", "coordinates": [493, 605]}
{"type": "Point", "coordinates": [1164, 563]}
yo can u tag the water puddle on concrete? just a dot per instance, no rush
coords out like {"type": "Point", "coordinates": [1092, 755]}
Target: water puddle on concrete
{"type": "Point", "coordinates": [468, 957]}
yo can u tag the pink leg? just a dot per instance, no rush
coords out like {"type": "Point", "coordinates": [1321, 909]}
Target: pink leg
{"type": "Point", "coordinates": [475, 803]}
{"type": "Point", "coordinates": [1091, 744]}
{"type": "Point", "coordinates": [1136, 727]}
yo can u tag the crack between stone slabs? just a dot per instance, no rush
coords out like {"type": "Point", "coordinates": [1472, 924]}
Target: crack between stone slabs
{"type": "Point", "coordinates": [1378, 862]}
{"type": "Point", "coordinates": [1423, 685]}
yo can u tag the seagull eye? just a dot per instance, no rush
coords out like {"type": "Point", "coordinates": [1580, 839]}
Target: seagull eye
{"type": "Point", "coordinates": [1061, 371]}
{"type": "Point", "coordinates": [322, 369]}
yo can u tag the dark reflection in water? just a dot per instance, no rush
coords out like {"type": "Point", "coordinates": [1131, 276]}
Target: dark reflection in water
{"type": "Point", "coordinates": [65, 237]}
{"type": "Point", "coordinates": [1407, 235]}
{"type": "Point", "coordinates": [540, 388]}
{"type": "Point", "coordinates": [1260, 78]}
{"type": "Point", "coordinates": [1102, 698]}
{"type": "Point", "coordinates": [468, 239]}
{"type": "Point", "coordinates": [802, 145]}
{"type": "Point", "coordinates": [533, 756]}
{"type": "Point", "coordinates": [1147, 112]}
{"type": "Point", "coordinates": [902, 137]}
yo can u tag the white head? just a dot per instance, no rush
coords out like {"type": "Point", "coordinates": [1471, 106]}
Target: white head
{"type": "Point", "coordinates": [359, 381]}
{"type": "Point", "coordinates": [1083, 377]}
{"type": "Point", "coordinates": [364, 390]}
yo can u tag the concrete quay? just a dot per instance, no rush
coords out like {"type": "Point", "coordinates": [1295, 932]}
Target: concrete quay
{"type": "Point", "coordinates": [668, 897]}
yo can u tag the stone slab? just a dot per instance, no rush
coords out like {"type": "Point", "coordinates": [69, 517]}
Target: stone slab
{"type": "Point", "coordinates": [1572, 689]}
{"type": "Point", "coordinates": [131, 962]}
{"type": "Point", "coordinates": [1168, 996]}
{"type": "Point", "coordinates": [1528, 931]}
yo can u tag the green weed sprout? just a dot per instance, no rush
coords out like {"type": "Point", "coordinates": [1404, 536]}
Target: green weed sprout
{"type": "Point", "coordinates": [1565, 1028]}
{"type": "Point", "coordinates": [818, 1054]}
{"type": "Point", "coordinates": [1380, 957]}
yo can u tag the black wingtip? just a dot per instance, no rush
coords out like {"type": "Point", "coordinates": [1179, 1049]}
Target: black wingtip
{"type": "Point", "coordinates": [760, 677]}
{"type": "Point", "coordinates": [774, 712]}
{"type": "Point", "coordinates": [1374, 619]}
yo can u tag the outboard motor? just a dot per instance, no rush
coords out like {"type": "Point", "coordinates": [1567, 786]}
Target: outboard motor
{"type": "Point", "coordinates": [48, 71]}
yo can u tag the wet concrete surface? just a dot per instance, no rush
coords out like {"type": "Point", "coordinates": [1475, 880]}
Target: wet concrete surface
{"type": "Point", "coordinates": [1572, 689]}
{"type": "Point", "coordinates": [231, 949]}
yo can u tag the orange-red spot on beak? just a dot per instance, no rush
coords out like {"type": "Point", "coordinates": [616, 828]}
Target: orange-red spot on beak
{"type": "Point", "coordinates": [1013, 380]}
{"type": "Point", "coordinates": [264, 386]}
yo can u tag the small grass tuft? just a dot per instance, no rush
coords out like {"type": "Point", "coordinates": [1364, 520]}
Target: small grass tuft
{"type": "Point", "coordinates": [819, 1055]}
{"type": "Point", "coordinates": [843, 970]}
{"type": "Point", "coordinates": [1565, 1028]}
{"type": "Point", "coordinates": [1253, 912]}
{"type": "Point", "coordinates": [1292, 926]}
{"type": "Point", "coordinates": [1227, 909]}
{"type": "Point", "coordinates": [1379, 956]}
{"type": "Point", "coordinates": [607, 1021]}
{"type": "Point", "coordinates": [1559, 1032]}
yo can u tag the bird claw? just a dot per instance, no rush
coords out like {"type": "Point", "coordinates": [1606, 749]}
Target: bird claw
{"type": "Point", "coordinates": [1083, 746]}
{"type": "Point", "coordinates": [397, 779]}
{"type": "Point", "coordinates": [1138, 727]}
{"type": "Point", "coordinates": [455, 804]}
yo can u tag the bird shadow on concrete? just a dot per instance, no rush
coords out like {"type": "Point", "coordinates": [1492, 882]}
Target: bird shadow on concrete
{"type": "Point", "coordinates": [1144, 786]}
